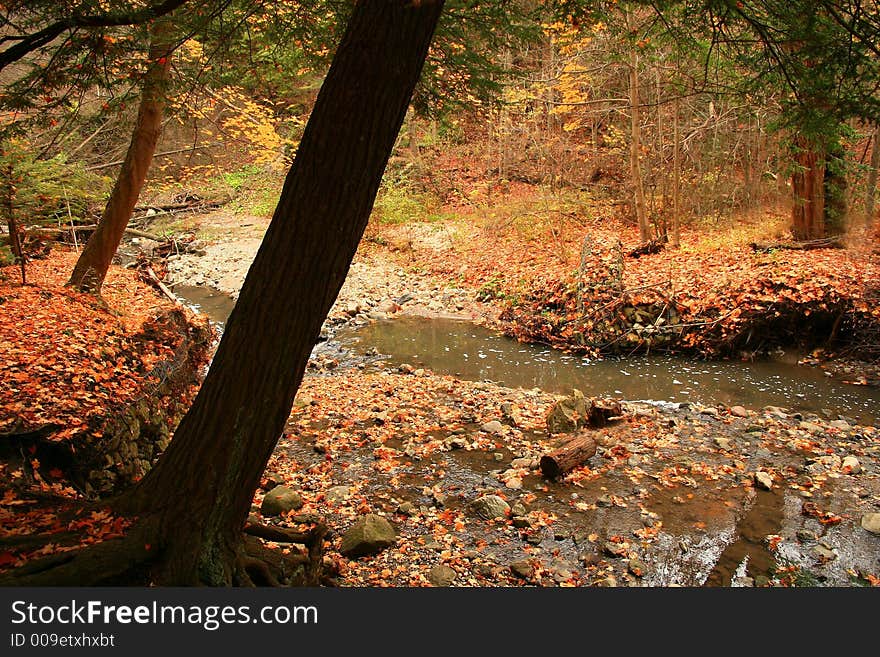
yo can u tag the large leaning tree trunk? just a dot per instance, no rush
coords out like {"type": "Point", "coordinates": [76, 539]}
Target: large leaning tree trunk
{"type": "Point", "coordinates": [92, 265]}
{"type": "Point", "coordinates": [193, 505]}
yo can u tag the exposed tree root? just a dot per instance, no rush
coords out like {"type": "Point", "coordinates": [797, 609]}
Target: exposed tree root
{"type": "Point", "coordinates": [136, 560]}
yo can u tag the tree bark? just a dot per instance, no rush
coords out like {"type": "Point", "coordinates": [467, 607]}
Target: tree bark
{"type": "Point", "coordinates": [807, 183]}
{"type": "Point", "coordinates": [569, 456]}
{"type": "Point", "coordinates": [91, 267]}
{"type": "Point", "coordinates": [635, 148]}
{"type": "Point", "coordinates": [676, 175]}
{"type": "Point", "coordinates": [819, 186]}
{"type": "Point", "coordinates": [203, 485]}
{"type": "Point", "coordinates": [871, 190]}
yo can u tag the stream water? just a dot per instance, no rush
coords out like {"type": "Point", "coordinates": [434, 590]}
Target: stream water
{"type": "Point", "coordinates": [475, 353]}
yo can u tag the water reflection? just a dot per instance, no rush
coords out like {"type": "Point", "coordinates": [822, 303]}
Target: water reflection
{"type": "Point", "coordinates": [474, 353]}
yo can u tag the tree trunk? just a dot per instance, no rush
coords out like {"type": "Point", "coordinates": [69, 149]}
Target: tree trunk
{"type": "Point", "coordinates": [91, 267]}
{"type": "Point", "coordinates": [871, 191]}
{"type": "Point", "coordinates": [676, 174]}
{"type": "Point", "coordinates": [203, 485]}
{"type": "Point", "coordinates": [807, 184]}
{"type": "Point", "coordinates": [819, 187]}
{"type": "Point", "coordinates": [635, 148]}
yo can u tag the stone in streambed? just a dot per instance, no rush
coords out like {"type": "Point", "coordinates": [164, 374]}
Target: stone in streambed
{"type": "Point", "coordinates": [490, 506]}
{"type": "Point", "coordinates": [369, 535]}
{"type": "Point", "coordinates": [494, 427]}
{"type": "Point", "coordinates": [763, 480]}
{"type": "Point", "coordinates": [280, 500]}
{"type": "Point", "coordinates": [871, 522]}
{"type": "Point", "coordinates": [442, 575]}
{"type": "Point", "coordinates": [739, 411]}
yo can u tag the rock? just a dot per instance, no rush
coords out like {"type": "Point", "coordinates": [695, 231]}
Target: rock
{"type": "Point", "coordinates": [637, 568]}
{"type": "Point", "coordinates": [521, 522]}
{"type": "Point", "coordinates": [494, 427]}
{"type": "Point", "coordinates": [388, 306]}
{"type": "Point", "coordinates": [513, 483]}
{"type": "Point", "coordinates": [338, 494]}
{"type": "Point", "coordinates": [407, 508]}
{"type": "Point", "coordinates": [490, 506]}
{"type": "Point", "coordinates": [522, 462]}
{"type": "Point", "coordinates": [272, 479]}
{"type": "Point", "coordinates": [352, 309]}
{"type": "Point", "coordinates": [775, 411]}
{"type": "Point", "coordinates": [840, 424]}
{"type": "Point", "coordinates": [614, 549]}
{"type": "Point", "coordinates": [822, 553]}
{"type": "Point", "coordinates": [567, 414]}
{"type": "Point", "coordinates": [370, 534]}
{"type": "Point", "coordinates": [763, 480]}
{"type": "Point", "coordinates": [851, 464]}
{"type": "Point", "coordinates": [509, 415]}
{"type": "Point", "coordinates": [723, 443]}
{"type": "Point", "coordinates": [610, 581]}
{"type": "Point", "coordinates": [523, 569]}
{"type": "Point", "coordinates": [738, 411]}
{"type": "Point", "coordinates": [281, 500]}
{"type": "Point", "coordinates": [710, 411]}
{"type": "Point", "coordinates": [805, 535]}
{"type": "Point", "coordinates": [406, 368]}
{"type": "Point", "coordinates": [605, 501]}
{"type": "Point", "coordinates": [871, 522]}
{"type": "Point", "coordinates": [441, 575]}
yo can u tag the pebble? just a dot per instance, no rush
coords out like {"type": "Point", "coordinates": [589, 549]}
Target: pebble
{"type": "Point", "coordinates": [763, 480]}
{"type": "Point", "coordinates": [739, 411]}
{"type": "Point", "coordinates": [523, 569]}
{"type": "Point", "coordinates": [614, 549]}
{"type": "Point", "coordinates": [442, 575]}
{"type": "Point", "coordinates": [851, 464]}
{"type": "Point", "coordinates": [494, 427]}
{"type": "Point", "coordinates": [822, 553]}
{"type": "Point", "coordinates": [871, 522]}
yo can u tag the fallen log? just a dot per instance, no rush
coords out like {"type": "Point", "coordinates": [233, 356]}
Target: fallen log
{"type": "Point", "coordinates": [568, 456]}
{"type": "Point", "coordinates": [809, 245]}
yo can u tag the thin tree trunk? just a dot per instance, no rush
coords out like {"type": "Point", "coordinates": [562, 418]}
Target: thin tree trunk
{"type": "Point", "coordinates": [871, 191]}
{"type": "Point", "coordinates": [635, 148]}
{"type": "Point", "coordinates": [204, 483]}
{"type": "Point", "coordinates": [94, 261]}
{"type": "Point", "coordinates": [676, 174]}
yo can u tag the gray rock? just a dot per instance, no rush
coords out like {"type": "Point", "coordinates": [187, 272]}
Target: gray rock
{"type": "Point", "coordinates": [739, 411]}
{"type": "Point", "coordinates": [494, 427]}
{"type": "Point", "coordinates": [614, 549]}
{"type": "Point", "coordinates": [852, 464]}
{"type": "Point", "coordinates": [370, 534]}
{"type": "Point", "coordinates": [338, 494]}
{"type": "Point", "coordinates": [442, 575]}
{"type": "Point", "coordinates": [723, 443]}
{"type": "Point", "coordinates": [763, 480]}
{"type": "Point", "coordinates": [604, 501]}
{"type": "Point", "coordinates": [281, 500]}
{"type": "Point", "coordinates": [871, 522]}
{"type": "Point", "coordinates": [521, 522]}
{"type": "Point", "coordinates": [523, 569]}
{"type": "Point", "coordinates": [710, 411]}
{"type": "Point", "coordinates": [407, 508]}
{"type": "Point", "coordinates": [567, 414]}
{"type": "Point", "coordinates": [637, 568]}
{"type": "Point", "coordinates": [518, 509]}
{"type": "Point", "coordinates": [490, 506]}
{"type": "Point", "coordinates": [822, 553]}
{"type": "Point", "coordinates": [840, 424]}
{"type": "Point", "coordinates": [805, 535]}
